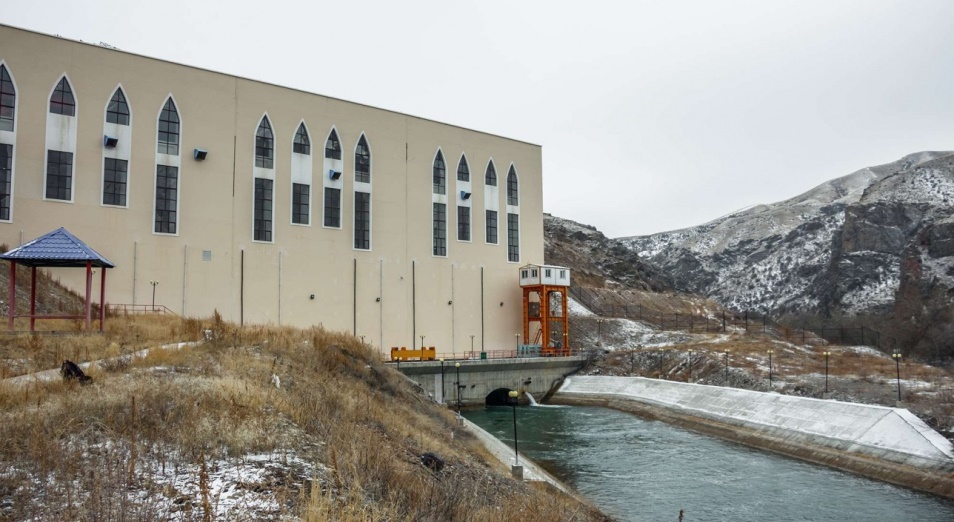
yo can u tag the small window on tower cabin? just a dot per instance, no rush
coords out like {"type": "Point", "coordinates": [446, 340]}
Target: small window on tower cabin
{"type": "Point", "coordinates": [523, 274]}
{"type": "Point", "coordinates": [62, 101]}
{"type": "Point", "coordinates": [534, 273]}
{"type": "Point", "coordinates": [562, 274]}
{"type": "Point", "coordinates": [463, 171]}
{"type": "Point", "coordinates": [440, 174]}
{"type": "Point", "coordinates": [546, 273]}
{"type": "Point", "coordinates": [333, 146]}
{"type": "Point", "coordinates": [8, 100]}
{"type": "Point", "coordinates": [264, 145]}
{"type": "Point", "coordinates": [118, 110]}
{"type": "Point", "coordinates": [302, 144]}
{"type": "Point", "coordinates": [362, 161]}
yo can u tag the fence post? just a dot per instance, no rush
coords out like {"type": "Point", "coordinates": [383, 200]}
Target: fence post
{"type": "Point", "coordinates": [862, 335]}
{"type": "Point", "coordinates": [746, 320]}
{"type": "Point", "coordinates": [723, 321]}
{"type": "Point", "coordinates": [764, 319]}
{"type": "Point", "coordinates": [842, 335]}
{"type": "Point", "coordinates": [803, 333]}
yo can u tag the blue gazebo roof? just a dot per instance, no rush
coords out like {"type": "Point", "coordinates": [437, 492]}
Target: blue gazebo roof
{"type": "Point", "coordinates": [58, 248]}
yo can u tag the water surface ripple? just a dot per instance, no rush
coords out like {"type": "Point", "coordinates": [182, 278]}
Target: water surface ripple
{"type": "Point", "coordinates": [641, 470]}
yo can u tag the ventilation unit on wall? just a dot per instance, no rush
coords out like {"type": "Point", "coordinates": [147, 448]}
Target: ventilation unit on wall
{"type": "Point", "coordinates": [464, 195]}
{"type": "Point", "coordinates": [199, 154]}
{"type": "Point", "coordinates": [334, 174]}
{"type": "Point", "coordinates": [110, 142]}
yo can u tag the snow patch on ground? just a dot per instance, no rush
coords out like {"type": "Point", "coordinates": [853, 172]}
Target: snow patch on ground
{"type": "Point", "coordinates": [575, 308]}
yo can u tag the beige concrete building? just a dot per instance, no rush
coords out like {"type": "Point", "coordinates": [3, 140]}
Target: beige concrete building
{"type": "Point", "coordinates": [268, 204]}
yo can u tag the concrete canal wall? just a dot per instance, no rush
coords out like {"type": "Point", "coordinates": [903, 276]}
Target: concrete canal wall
{"type": "Point", "coordinates": [889, 444]}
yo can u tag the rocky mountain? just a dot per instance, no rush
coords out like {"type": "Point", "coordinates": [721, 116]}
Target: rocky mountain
{"type": "Point", "coordinates": [598, 261]}
{"type": "Point", "coordinates": [866, 244]}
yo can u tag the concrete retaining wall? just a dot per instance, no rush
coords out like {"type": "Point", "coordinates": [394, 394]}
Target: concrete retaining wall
{"type": "Point", "coordinates": [889, 444]}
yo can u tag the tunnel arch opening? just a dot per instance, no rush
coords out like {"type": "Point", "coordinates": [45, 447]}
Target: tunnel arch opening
{"type": "Point", "coordinates": [498, 397]}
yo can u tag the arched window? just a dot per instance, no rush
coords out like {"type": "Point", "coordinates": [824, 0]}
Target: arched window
{"type": "Point", "coordinates": [302, 145]}
{"type": "Point", "coordinates": [264, 145]}
{"type": "Point", "coordinates": [333, 146]}
{"type": "Point", "coordinates": [463, 171]}
{"type": "Point", "coordinates": [440, 174]}
{"type": "Point", "coordinates": [168, 129]}
{"type": "Point", "coordinates": [62, 101]}
{"type": "Point", "coordinates": [118, 110]}
{"type": "Point", "coordinates": [362, 161]}
{"type": "Point", "coordinates": [512, 194]}
{"type": "Point", "coordinates": [490, 176]}
{"type": "Point", "coordinates": [8, 100]}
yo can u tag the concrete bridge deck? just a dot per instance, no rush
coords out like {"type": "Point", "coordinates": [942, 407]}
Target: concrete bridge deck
{"type": "Point", "coordinates": [479, 378]}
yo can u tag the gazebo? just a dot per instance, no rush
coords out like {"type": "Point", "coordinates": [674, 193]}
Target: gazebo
{"type": "Point", "coordinates": [57, 249]}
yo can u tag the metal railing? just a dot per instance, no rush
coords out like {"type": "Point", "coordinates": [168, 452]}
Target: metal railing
{"type": "Point", "coordinates": [748, 321]}
{"type": "Point", "coordinates": [131, 309]}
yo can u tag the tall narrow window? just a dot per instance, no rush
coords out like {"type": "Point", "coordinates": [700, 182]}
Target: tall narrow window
{"type": "Point", "coordinates": [264, 145]}
{"type": "Point", "coordinates": [362, 162]}
{"type": "Point", "coordinates": [333, 146]}
{"type": "Point", "coordinates": [463, 171]}
{"type": "Point", "coordinates": [114, 182]}
{"type": "Point", "coordinates": [8, 101]}
{"type": "Point", "coordinates": [362, 220]}
{"type": "Point", "coordinates": [492, 227]}
{"type": "Point", "coordinates": [463, 223]}
{"type": "Point", "coordinates": [169, 129]}
{"type": "Point", "coordinates": [263, 209]}
{"type": "Point", "coordinates": [62, 101]}
{"type": "Point", "coordinates": [440, 229]}
{"type": "Point", "coordinates": [167, 196]}
{"type": "Point", "coordinates": [59, 175]}
{"type": "Point", "coordinates": [332, 207]}
{"type": "Point", "coordinates": [440, 174]}
{"type": "Point", "coordinates": [302, 145]}
{"type": "Point", "coordinates": [513, 237]}
{"type": "Point", "coordinates": [6, 176]}
{"type": "Point", "coordinates": [300, 197]}
{"type": "Point", "coordinates": [512, 195]}
{"type": "Point", "coordinates": [490, 176]}
{"type": "Point", "coordinates": [118, 110]}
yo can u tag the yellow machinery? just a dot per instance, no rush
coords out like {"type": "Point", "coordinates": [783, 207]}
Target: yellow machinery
{"type": "Point", "coordinates": [545, 304]}
{"type": "Point", "coordinates": [422, 354]}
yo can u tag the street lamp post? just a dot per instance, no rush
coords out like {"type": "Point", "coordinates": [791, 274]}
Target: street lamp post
{"type": "Point", "coordinates": [897, 365]}
{"type": "Point", "coordinates": [826, 353]}
{"type": "Point", "coordinates": [513, 402]}
{"type": "Point", "coordinates": [471, 345]}
{"type": "Point", "coordinates": [443, 400]}
{"type": "Point", "coordinates": [770, 352]}
{"type": "Point", "coordinates": [457, 365]}
{"type": "Point", "coordinates": [660, 364]}
{"type": "Point", "coordinates": [516, 338]}
{"type": "Point", "coordinates": [727, 367]}
{"type": "Point", "coordinates": [599, 332]}
{"type": "Point", "coordinates": [632, 360]}
{"type": "Point", "coordinates": [154, 285]}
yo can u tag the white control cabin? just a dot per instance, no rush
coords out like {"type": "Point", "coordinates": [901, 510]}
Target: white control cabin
{"type": "Point", "coordinates": [535, 275]}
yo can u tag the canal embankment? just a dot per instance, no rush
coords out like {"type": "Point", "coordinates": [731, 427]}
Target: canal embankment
{"type": "Point", "coordinates": [888, 444]}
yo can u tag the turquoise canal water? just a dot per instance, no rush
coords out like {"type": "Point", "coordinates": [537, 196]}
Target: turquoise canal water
{"type": "Point", "coordinates": [641, 470]}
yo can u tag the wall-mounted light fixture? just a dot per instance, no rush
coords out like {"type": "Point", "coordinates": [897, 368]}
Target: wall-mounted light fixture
{"type": "Point", "coordinates": [501, 303]}
{"type": "Point", "coordinates": [464, 195]}
{"type": "Point", "coordinates": [450, 303]}
{"type": "Point", "coordinates": [377, 299]}
{"type": "Point", "coordinates": [334, 174]}
{"type": "Point", "coordinates": [110, 142]}
{"type": "Point", "coordinates": [199, 154]}
{"type": "Point", "coordinates": [312, 297]}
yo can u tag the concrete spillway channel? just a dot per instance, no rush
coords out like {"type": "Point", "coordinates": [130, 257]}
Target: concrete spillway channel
{"type": "Point", "coordinates": [889, 444]}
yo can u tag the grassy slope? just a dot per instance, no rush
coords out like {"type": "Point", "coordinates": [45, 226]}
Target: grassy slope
{"type": "Point", "coordinates": [259, 423]}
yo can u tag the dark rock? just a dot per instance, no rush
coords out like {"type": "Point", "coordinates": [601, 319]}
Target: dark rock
{"type": "Point", "coordinates": [72, 372]}
{"type": "Point", "coordinates": [432, 462]}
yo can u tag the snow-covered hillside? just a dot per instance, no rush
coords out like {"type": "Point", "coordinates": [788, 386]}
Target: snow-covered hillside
{"type": "Point", "coordinates": [837, 247]}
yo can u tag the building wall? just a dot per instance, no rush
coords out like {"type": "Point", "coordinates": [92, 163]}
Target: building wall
{"type": "Point", "coordinates": [391, 294]}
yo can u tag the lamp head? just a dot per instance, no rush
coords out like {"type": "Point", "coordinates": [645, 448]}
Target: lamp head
{"type": "Point", "coordinates": [513, 394]}
{"type": "Point", "coordinates": [442, 359]}
{"type": "Point", "coordinates": [457, 365]}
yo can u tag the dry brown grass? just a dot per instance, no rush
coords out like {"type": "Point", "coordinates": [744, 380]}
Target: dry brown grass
{"type": "Point", "coordinates": [147, 439]}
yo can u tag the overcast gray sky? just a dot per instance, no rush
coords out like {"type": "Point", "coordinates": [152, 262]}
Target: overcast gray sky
{"type": "Point", "coordinates": [652, 115]}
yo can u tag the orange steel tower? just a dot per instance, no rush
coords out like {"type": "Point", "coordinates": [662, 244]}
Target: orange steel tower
{"type": "Point", "coordinates": [545, 319]}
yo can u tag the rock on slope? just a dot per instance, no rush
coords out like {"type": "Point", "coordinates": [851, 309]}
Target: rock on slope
{"type": "Point", "coordinates": [836, 249]}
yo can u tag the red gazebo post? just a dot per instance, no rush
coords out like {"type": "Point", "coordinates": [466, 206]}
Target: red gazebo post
{"type": "Point", "coordinates": [32, 298]}
{"type": "Point", "coordinates": [13, 293]}
{"type": "Point", "coordinates": [102, 299]}
{"type": "Point", "coordinates": [89, 290]}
